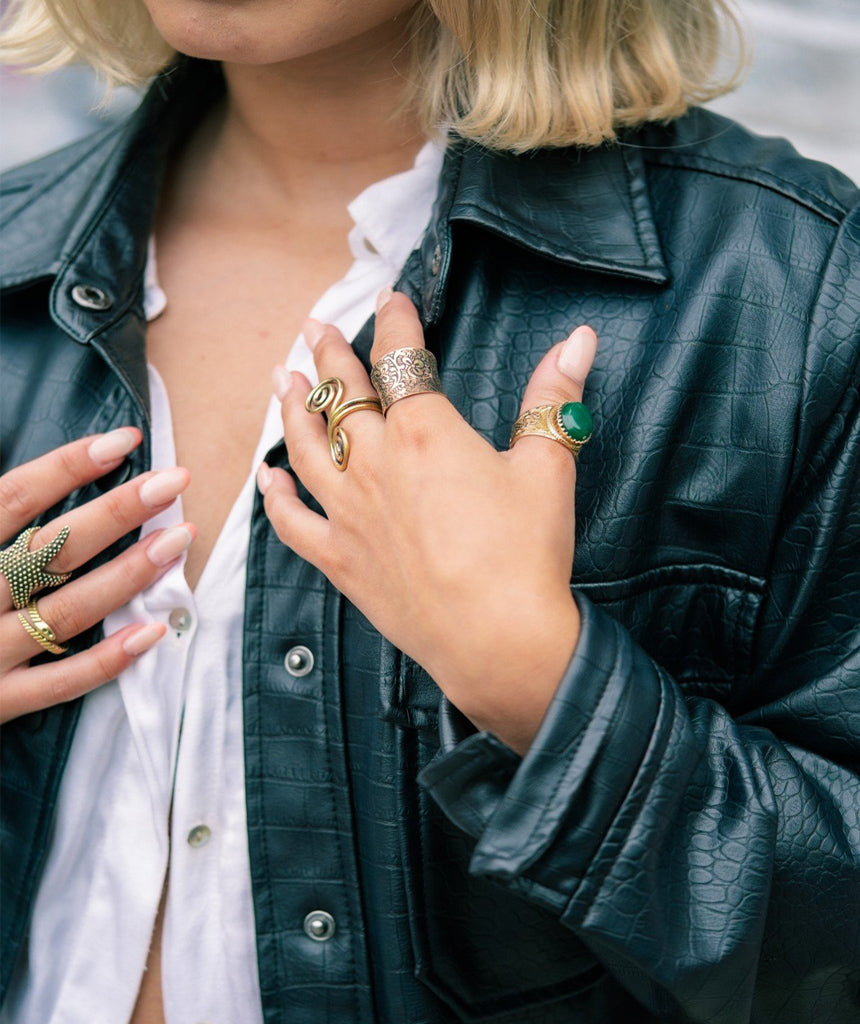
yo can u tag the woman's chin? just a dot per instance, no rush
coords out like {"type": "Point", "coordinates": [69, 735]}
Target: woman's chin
{"type": "Point", "coordinates": [265, 31]}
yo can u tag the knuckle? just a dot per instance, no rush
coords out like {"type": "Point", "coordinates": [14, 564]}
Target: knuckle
{"type": "Point", "coordinates": [302, 450]}
{"type": "Point", "coordinates": [107, 663]}
{"type": "Point", "coordinates": [62, 616]}
{"type": "Point", "coordinates": [557, 392]}
{"type": "Point", "coordinates": [63, 685]}
{"type": "Point", "coordinates": [329, 344]}
{"type": "Point", "coordinates": [334, 562]}
{"type": "Point", "coordinates": [67, 456]}
{"type": "Point", "coordinates": [386, 339]}
{"type": "Point", "coordinates": [16, 497]}
{"type": "Point", "coordinates": [115, 507]}
{"type": "Point", "coordinates": [410, 434]}
{"type": "Point", "coordinates": [136, 571]}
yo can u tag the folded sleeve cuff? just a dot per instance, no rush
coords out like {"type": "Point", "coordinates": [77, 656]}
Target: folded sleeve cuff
{"type": "Point", "coordinates": [545, 814]}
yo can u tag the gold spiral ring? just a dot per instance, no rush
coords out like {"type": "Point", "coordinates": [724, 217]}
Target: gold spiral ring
{"type": "Point", "coordinates": [327, 397]}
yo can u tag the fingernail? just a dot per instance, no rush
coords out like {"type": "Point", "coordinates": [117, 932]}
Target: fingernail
{"type": "Point", "coordinates": [115, 445]}
{"type": "Point", "coordinates": [313, 331]}
{"type": "Point", "coordinates": [577, 354]}
{"type": "Point", "coordinates": [264, 478]}
{"type": "Point", "coordinates": [169, 545]}
{"type": "Point", "coordinates": [163, 487]}
{"type": "Point", "coordinates": [282, 381]}
{"type": "Point", "coordinates": [146, 637]}
{"type": "Point", "coordinates": [383, 297]}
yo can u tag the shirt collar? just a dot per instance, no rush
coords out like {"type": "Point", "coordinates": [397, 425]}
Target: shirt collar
{"type": "Point", "coordinates": [85, 214]}
{"type": "Point", "coordinates": [390, 214]}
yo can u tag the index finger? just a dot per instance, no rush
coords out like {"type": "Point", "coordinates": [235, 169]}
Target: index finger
{"type": "Point", "coordinates": [34, 487]}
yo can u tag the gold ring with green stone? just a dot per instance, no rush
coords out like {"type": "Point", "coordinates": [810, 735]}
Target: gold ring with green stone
{"type": "Point", "coordinates": [569, 423]}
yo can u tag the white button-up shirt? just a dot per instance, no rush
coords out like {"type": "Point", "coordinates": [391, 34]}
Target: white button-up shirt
{"type": "Point", "coordinates": [154, 786]}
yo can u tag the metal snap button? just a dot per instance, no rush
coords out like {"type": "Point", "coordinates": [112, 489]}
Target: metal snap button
{"type": "Point", "coordinates": [89, 297]}
{"type": "Point", "coordinates": [199, 835]}
{"type": "Point", "coordinates": [180, 619]}
{"type": "Point", "coordinates": [299, 661]}
{"type": "Point", "coordinates": [319, 925]}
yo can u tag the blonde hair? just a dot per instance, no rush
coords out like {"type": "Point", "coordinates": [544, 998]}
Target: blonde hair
{"type": "Point", "coordinates": [510, 74]}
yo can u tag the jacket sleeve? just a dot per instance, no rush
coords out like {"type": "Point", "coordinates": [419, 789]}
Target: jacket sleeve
{"type": "Point", "coordinates": [710, 862]}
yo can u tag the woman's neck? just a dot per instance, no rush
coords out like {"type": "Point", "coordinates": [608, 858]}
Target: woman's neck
{"type": "Point", "coordinates": [311, 132]}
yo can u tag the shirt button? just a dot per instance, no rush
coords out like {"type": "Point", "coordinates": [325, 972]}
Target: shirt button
{"type": "Point", "coordinates": [299, 661]}
{"type": "Point", "coordinates": [180, 619]}
{"type": "Point", "coordinates": [87, 296]}
{"type": "Point", "coordinates": [199, 835]}
{"type": "Point", "coordinates": [319, 925]}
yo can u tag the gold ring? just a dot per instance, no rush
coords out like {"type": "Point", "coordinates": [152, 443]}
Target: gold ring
{"type": "Point", "coordinates": [404, 372]}
{"type": "Point", "coordinates": [39, 630]}
{"type": "Point", "coordinates": [569, 423]}
{"type": "Point", "coordinates": [326, 396]}
{"type": "Point", "coordinates": [24, 570]}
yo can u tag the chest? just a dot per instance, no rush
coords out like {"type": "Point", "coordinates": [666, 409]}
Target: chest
{"type": "Point", "coordinates": [233, 312]}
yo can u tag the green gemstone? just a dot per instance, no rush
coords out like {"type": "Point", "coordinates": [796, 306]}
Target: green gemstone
{"type": "Point", "coordinates": [576, 421]}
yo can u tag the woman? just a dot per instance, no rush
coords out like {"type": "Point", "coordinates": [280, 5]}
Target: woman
{"type": "Point", "coordinates": [375, 740]}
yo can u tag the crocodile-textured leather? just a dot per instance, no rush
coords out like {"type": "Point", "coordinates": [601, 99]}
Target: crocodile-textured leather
{"type": "Point", "coordinates": [682, 840]}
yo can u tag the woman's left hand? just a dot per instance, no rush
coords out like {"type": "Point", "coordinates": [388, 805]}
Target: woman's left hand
{"type": "Point", "coordinates": [458, 554]}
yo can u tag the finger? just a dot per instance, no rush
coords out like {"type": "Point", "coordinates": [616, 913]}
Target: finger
{"type": "Point", "coordinates": [559, 377]}
{"type": "Point", "coordinates": [32, 488]}
{"type": "Point", "coordinates": [306, 436]}
{"type": "Point", "coordinates": [297, 526]}
{"type": "Point", "coordinates": [398, 326]}
{"type": "Point", "coordinates": [334, 357]}
{"type": "Point", "coordinates": [78, 605]}
{"type": "Point", "coordinates": [42, 686]}
{"type": "Point", "coordinates": [99, 523]}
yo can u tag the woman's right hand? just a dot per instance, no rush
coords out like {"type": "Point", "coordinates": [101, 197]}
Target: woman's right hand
{"type": "Point", "coordinates": [31, 489]}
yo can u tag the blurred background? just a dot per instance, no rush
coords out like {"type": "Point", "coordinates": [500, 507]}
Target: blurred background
{"type": "Point", "coordinates": [804, 85]}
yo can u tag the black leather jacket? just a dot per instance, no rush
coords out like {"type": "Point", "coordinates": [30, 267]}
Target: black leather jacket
{"type": "Point", "coordinates": [682, 841]}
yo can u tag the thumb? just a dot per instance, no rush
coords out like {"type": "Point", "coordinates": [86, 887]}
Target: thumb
{"type": "Point", "coordinates": [560, 375]}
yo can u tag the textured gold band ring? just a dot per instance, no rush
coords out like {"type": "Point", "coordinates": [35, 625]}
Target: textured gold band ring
{"type": "Point", "coordinates": [326, 397]}
{"type": "Point", "coordinates": [404, 372]}
{"type": "Point", "coordinates": [39, 630]}
{"type": "Point", "coordinates": [24, 570]}
{"type": "Point", "coordinates": [569, 423]}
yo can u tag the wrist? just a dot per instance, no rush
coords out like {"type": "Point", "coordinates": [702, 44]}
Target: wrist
{"type": "Point", "coordinates": [517, 688]}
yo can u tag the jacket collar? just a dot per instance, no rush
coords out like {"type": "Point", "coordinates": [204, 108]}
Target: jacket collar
{"type": "Point", "coordinates": [83, 216]}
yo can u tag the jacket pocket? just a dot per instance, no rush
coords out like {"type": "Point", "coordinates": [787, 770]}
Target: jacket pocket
{"type": "Point", "coordinates": [488, 953]}
{"type": "Point", "coordinates": [696, 621]}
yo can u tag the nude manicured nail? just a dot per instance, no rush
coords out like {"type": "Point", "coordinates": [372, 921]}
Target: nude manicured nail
{"type": "Point", "coordinates": [264, 478]}
{"type": "Point", "coordinates": [282, 381]}
{"type": "Point", "coordinates": [169, 545]}
{"type": "Point", "coordinates": [115, 445]}
{"type": "Point", "coordinates": [313, 330]}
{"type": "Point", "coordinates": [577, 354]}
{"type": "Point", "coordinates": [163, 487]}
{"type": "Point", "coordinates": [144, 638]}
{"type": "Point", "coordinates": [383, 297]}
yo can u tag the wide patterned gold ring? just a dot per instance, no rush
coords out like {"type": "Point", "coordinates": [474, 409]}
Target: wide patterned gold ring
{"type": "Point", "coordinates": [327, 397]}
{"type": "Point", "coordinates": [39, 630]}
{"type": "Point", "coordinates": [404, 372]}
{"type": "Point", "coordinates": [24, 570]}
